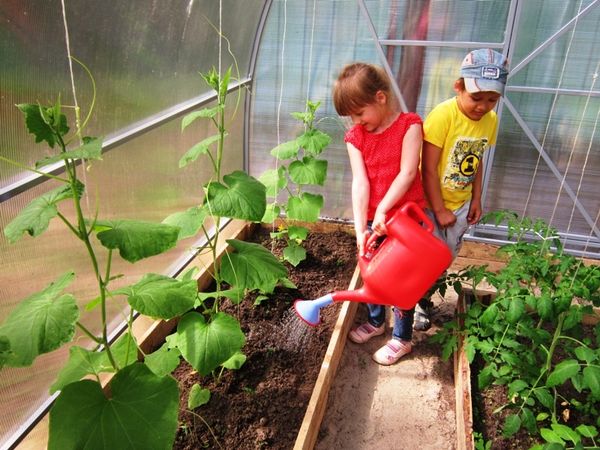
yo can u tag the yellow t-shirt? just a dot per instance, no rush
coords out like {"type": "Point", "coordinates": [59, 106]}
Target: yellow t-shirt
{"type": "Point", "coordinates": [463, 142]}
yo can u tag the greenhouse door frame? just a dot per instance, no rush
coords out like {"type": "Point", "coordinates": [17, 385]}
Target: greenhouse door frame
{"type": "Point", "coordinates": [507, 47]}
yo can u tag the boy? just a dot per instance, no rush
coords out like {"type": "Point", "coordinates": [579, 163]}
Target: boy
{"type": "Point", "coordinates": [457, 133]}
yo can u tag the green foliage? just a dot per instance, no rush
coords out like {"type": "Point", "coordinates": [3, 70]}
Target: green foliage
{"type": "Point", "coordinates": [530, 335]}
{"type": "Point", "coordinates": [83, 416]}
{"type": "Point", "coordinates": [206, 345]}
{"type": "Point", "coordinates": [41, 323]}
{"type": "Point", "coordinates": [136, 240]}
{"type": "Point", "coordinates": [305, 169]}
{"type": "Point", "coordinates": [198, 396]}
{"type": "Point", "coordinates": [139, 407]}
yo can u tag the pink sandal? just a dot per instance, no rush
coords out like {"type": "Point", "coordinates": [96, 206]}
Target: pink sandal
{"type": "Point", "coordinates": [392, 351]}
{"type": "Point", "coordinates": [364, 332]}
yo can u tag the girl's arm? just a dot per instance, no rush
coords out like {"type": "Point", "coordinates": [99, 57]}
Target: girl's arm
{"type": "Point", "coordinates": [431, 185]}
{"type": "Point", "coordinates": [409, 168]}
{"type": "Point", "coordinates": [360, 196]}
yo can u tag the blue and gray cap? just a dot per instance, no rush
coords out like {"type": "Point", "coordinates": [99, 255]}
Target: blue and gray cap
{"type": "Point", "coordinates": [484, 70]}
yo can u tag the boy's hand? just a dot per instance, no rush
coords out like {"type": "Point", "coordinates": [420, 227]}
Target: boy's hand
{"type": "Point", "coordinates": [474, 212]}
{"type": "Point", "coordinates": [445, 218]}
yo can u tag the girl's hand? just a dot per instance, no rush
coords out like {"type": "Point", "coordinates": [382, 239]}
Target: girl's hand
{"type": "Point", "coordinates": [445, 218]}
{"type": "Point", "coordinates": [378, 225]}
{"type": "Point", "coordinates": [361, 241]}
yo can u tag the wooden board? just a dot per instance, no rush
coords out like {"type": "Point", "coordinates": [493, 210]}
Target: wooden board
{"type": "Point", "coordinates": [309, 430]}
{"type": "Point", "coordinates": [462, 385]}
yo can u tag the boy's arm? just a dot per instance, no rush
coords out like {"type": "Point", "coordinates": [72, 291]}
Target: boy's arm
{"type": "Point", "coordinates": [475, 206]}
{"type": "Point", "coordinates": [409, 168]}
{"type": "Point", "coordinates": [431, 185]}
{"type": "Point", "coordinates": [360, 196]}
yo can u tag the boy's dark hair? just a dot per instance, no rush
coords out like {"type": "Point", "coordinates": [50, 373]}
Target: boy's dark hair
{"type": "Point", "coordinates": [357, 85]}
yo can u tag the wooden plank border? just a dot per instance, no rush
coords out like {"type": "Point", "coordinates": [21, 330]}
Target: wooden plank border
{"type": "Point", "coordinates": [315, 411]}
{"type": "Point", "coordinates": [462, 387]}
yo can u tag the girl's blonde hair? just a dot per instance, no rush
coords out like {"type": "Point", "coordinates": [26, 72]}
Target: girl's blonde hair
{"type": "Point", "coordinates": [357, 85]}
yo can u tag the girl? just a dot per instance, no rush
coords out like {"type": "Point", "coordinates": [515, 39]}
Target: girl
{"type": "Point", "coordinates": [384, 147]}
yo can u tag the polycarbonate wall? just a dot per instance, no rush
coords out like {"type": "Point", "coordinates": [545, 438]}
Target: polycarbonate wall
{"type": "Point", "coordinates": [544, 164]}
{"type": "Point", "coordinates": [145, 57]}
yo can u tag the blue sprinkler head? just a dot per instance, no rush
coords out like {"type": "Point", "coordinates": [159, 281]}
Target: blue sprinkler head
{"type": "Point", "coordinates": [309, 310]}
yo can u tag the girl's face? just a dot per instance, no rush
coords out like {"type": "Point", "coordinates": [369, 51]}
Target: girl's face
{"type": "Point", "coordinates": [372, 116]}
{"type": "Point", "coordinates": [476, 105]}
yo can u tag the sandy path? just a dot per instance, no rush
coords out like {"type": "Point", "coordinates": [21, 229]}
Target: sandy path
{"type": "Point", "coordinates": [410, 405]}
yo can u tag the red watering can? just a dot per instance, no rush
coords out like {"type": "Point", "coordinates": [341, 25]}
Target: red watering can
{"type": "Point", "coordinates": [398, 272]}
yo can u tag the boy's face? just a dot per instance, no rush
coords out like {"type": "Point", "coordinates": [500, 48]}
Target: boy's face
{"type": "Point", "coordinates": [478, 104]}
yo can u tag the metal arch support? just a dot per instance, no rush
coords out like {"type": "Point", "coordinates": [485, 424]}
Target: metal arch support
{"type": "Point", "coordinates": [382, 57]}
{"type": "Point", "coordinates": [132, 131]}
{"type": "Point", "coordinates": [551, 165]}
{"type": "Point", "coordinates": [566, 27]}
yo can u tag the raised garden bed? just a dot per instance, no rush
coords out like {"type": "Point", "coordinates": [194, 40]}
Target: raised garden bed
{"type": "Point", "coordinates": [263, 404]}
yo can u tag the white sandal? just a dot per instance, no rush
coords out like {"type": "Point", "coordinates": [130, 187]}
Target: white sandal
{"type": "Point", "coordinates": [392, 351]}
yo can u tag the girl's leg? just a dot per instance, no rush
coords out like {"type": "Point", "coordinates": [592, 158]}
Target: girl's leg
{"type": "Point", "coordinates": [376, 314]}
{"type": "Point", "coordinates": [374, 326]}
{"type": "Point", "coordinates": [403, 324]}
{"type": "Point", "coordinates": [400, 344]}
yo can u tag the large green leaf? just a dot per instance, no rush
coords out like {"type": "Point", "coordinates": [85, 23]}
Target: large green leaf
{"type": "Point", "coordinates": [161, 296]}
{"type": "Point", "coordinates": [562, 372]}
{"type": "Point", "coordinates": [201, 148]}
{"type": "Point", "coordinates": [512, 423]}
{"type": "Point", "coordinates": [306, 207]}
{"type": "Point", "coordinates": [309, 171]}
{"type": "Point", "coordinates": [84, 362]}
{"type": "Point", "coordinates": [294, 253]}
{"type": "Point", "coordinates": [251, 266]}
{"type": "Point", "coordinates": [164, 360]}
{"type": "Point", "coordinates": [188, 222]}
{"type": "Point", "coordinates": [545, 307]}
{"type": "Point", "coordinates": [206, 113]}
{"type": "Point", "coordinates": [207, 345]}
{"type": "Point", "coordinates": [314, 141]}
{"type": "Point", "coordinates": [198, 396]}
{"type": "Point", "coordinates": [37, 125]}
{"type": "Point", "coordinates": [274, 180]}
{"type": "Point", "coordinates": [136, 239]}
{"type": "Point", "coordinates": [36, 216]}
{"type": "Point", "coordinates": [591, 378]}
{"type": "Point", "coordinates": [287, 150]}
{"type": "Point", "coordinates": [92, 149]}
{"type": "Point", "coordinates": [241, 197]}
{"type": "Point", "coordinates": [272, 212]}
{"type": "Point", "coordinates": [41, 323]}
{"type": "Point", "coordinates": [516, 310]}
{"type": "Point", "coordinates": [4, 350]}
{"type": "Point", "coordinates": [140, 413]}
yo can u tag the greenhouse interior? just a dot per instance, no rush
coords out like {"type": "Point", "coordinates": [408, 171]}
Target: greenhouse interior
{"type": "Point", "coordinates": [133, 134]}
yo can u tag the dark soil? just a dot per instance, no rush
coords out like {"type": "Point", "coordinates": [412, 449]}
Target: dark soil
{"type": "Point", "coordinates": [262, 405]}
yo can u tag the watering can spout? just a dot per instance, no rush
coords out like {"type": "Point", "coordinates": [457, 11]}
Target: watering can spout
{"type": "Point", "coordinates": [309, 310]}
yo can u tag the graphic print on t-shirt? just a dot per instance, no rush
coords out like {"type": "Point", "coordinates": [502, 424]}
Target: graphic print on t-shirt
{"type": "Point", "coordinates": [463, 161]}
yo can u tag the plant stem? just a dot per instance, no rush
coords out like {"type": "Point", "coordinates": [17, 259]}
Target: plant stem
{"type": "Point", "coordinates": [88, 333]}
{"type": "Point", "coordinates": [30, 169]}
{"type": "Point", "coordinates": [555, 338]}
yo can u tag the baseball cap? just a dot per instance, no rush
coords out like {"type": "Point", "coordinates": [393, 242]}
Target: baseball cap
{"type": "Point", "coordinates": [484, 70]}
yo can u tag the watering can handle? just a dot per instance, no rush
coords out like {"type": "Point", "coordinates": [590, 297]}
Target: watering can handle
{"type": "Point", "coordinates": [410, 209]}
{"type": "Point", "coordinates": [417, 213]}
